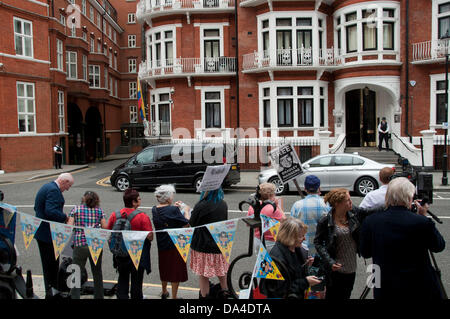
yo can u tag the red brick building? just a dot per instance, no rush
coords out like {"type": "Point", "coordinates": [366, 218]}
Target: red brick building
{"type": "Point", "coordinates": [69, 75]}
{"type": "Point", "coordinates": [319, 74]}
{"type": "Point", "coordinates": [312, 73]}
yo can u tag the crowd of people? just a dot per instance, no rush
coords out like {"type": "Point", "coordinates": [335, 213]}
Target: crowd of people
{"type": "Point", "coordinates": [325, 233]}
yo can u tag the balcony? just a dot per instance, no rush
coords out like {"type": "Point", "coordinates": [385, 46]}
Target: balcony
{"type": "Point", "coordinates": [159, 128]}
{"type": "Point", "coordinates": [432, 51]}
{"type": "Point", "coordinates": [148, 9]}
{"type": "Point", "coordinates": [290, 59]}
{"type": "Point", "coordinates": [254, 3]}
{"type": "Point", "coordinates": [187, 67]}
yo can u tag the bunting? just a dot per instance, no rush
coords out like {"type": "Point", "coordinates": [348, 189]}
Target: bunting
{"type": "Point", "coordinates": [182, 238]}
{"type": "Point", "coordinates": [29, 225]}
{"type": "Point", "coordinates": [223, 235]}
{"type": "Point", "coordinates": [60, 236]}
{"type": "Point", "coordinates": [265, 266]}
{"type": "Point", "coordinates": [96, 239]}
{"type": "Point", "coordinates": [270, 224]}
{"type": "Point", "coordinates": [134, 242]}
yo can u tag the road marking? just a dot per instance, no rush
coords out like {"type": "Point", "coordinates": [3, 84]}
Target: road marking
{"type": "Point", "coordinates": [144, 284]}
{"type": "Point", "coordinates": [102, 182]}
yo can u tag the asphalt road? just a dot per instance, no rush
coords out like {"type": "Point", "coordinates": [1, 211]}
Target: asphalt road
{"type": "Point", "coordinates": [22, 195]}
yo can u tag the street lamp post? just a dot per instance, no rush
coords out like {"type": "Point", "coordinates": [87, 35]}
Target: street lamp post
{"type": "Point", "coordinates": [446, 37]}
{"type": "Point", "coordinates": [444, 166]}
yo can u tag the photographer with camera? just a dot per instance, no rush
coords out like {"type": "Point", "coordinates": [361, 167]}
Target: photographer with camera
{"type": "Point", "coordinates": [266, 192]}
{"type": "Point", "coordinates": [399, 242]}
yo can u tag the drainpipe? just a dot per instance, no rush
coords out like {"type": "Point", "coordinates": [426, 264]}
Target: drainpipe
{"type": "Point", "coordinates": [407, 72]}
{"type": "Point", "coordinates": [237, 79]}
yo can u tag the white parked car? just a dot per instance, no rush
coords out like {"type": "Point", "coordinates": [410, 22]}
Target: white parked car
{"type": "Point", "coordinates": [351, 171]}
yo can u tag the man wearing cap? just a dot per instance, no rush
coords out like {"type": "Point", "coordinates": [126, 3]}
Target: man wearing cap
{"type": "Point", "coordinates": [309, 210]}
{"type": "Point", "coordinates": [383, 134]}
{"type": "Point", "coordinates": [376, 198]}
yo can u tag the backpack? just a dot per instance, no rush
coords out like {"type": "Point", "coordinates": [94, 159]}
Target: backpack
{"type": "Point", "coordinates": [115, 241]}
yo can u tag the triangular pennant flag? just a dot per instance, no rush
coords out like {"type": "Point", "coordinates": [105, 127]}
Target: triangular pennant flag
{"type": "Point", "coordinates": [134, 242]}
{"type": "Point", "coordinates": [60, 236]}
{"type": "Point", "coordinates": [181, 238]}
{"type": "Point", "coordinates": [267, 222]}
{"type": "Point", "coordinates": [29, 225]}
{"type": "Point", "coordinates": [265, 266]}
{"type": "Point", "coordinates": [95, 239]}
{"type": "Point", "coordinates": [223, 234]}
{"type": "Point", "coordinates": [274, 230]}
{"type": "Point", "coordinates": [8, 213]}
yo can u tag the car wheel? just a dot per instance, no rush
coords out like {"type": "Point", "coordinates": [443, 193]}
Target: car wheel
{"type": "Point", "coordinates": [197, 182]}
{"type": "Point", "coordinates": [280, 188]}
{"type": "Point", "coordinates": [365, 185]}
{"type": "Point", "coordinates": [123, 183]}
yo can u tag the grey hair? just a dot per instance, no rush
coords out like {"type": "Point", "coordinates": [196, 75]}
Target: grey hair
{"type": "Point", "coordinates": [164, 193]}
{"type": "Point", "coordinates": [400, 192]}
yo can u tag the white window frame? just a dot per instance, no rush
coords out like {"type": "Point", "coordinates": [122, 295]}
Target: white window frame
{"type": "Point", "coordinates": [377, 19]}
{"type": "Point", "coordinates": [435, 15]}
{"type": "Point", "coordinates": [61, 118]}
{"type": "Point", "coordinates": [29, 116]}
{"type": "Point", "coordinates": [272, 29]}
{"type": "Point", "coordinates": [59, 55]}
{"type": "Point", "coordinates": [92, 48]}
{"type": "Point", "coordinates": [155, 102]}
{"type": "Point", "coordinates": [211, 26]}
{"type": "Point", "coordinates": [434, 78]}
{"type": "Point", "coordinates": [83, 7]}
{"type": "Point", "coordinates": [132, 41]}
{"type": "Point", "coordinates": [94, 73]}
{"type": "Point", "coordinates": [71, 62]}
{"type": "Point", "coordinates": [132, 65]}
{"type": "Point", "coordinates": [116, 93]}
{"type": "Point", "coordinates": [105, 77]}
{"type": "Point", "coordinates": [205, 89]}
{"type": "Point", "coordinates": [91, 14]}
{"type": "Point", "coordinates": [132, 90]}
{"type": "Point", "coordinates": [273, 85]}
{"type": "Point", "coordinates": [133, 114]}
{"type": "Point", "coordinates": [22, 37]}
{"type": "Point", "coordinates": [84, 67]}
{"type": "Point", "coordinates": [151, 45]}
{"type": "Point", "coordinates": [131, 18]}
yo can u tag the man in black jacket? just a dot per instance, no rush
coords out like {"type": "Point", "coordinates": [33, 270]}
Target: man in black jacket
{"type": "Point", "coordinates": [399, 242]}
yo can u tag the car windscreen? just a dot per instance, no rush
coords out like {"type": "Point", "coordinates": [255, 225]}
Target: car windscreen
{"type": "Point", "coordinates": [146, 156]}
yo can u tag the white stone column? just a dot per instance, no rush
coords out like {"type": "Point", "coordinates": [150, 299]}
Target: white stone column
{"type": "Point", "coordinates": [428, 147]}
{"type": "Point", "coordinates": [324, 138]}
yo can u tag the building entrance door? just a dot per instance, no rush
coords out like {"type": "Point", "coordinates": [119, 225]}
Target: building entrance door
{"type": "Point", "coordinates": [360, 120]}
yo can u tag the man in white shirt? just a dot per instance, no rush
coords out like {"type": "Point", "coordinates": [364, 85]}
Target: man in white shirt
{"type": "Point", "coordinates": [376, 198]}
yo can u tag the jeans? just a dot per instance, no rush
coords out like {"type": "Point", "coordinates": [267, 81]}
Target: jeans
{"type": "Point", "coordinates": [126, 269]}
{"type": "Point", "coordinates": [50, 267]}
{"type": "Point", "coordinates": [340, 286]}
{"type": "Point", "coordinates": [80, 256]}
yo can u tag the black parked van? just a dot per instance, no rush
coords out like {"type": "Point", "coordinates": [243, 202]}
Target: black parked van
{"type": "Point", "coordinates": [178, 164]}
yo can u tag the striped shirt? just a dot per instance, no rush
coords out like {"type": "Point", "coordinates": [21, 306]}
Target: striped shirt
{"type": "Point", "coordinates": [85, 217]}
{"type": "Point", "coordinates": [309, 210]}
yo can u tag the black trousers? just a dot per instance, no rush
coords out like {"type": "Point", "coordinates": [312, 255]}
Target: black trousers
{"type": "Point", "coordinates": [58, 160]}
{"type": "Point", "coordinates": [126, 268]}
{"type": "Point", "coordinates": [381, 137]}
{"type": "Point", "coordinates": [340, 286]}
{"type": "Point", "coordinates": [50, 267]}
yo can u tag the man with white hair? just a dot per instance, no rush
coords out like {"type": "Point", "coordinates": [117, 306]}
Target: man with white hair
{"type": "Point", "coordinates": [399, 242]}
{"type": "Point", "coordinates": [49, 205]}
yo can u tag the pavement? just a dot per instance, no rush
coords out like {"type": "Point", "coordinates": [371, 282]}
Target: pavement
{"type": "Point", "coordinates": [150, 291]}
{"type": "Point", "coordinates": [249, 179]}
